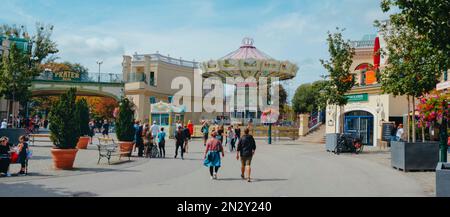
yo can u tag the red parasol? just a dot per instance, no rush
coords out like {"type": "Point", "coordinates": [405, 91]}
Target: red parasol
{"type": "Point", "coordinates": [376, 53]}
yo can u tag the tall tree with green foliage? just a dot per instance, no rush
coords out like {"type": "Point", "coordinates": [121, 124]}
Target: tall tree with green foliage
{"type": "Point", "coordinates": [15, 75]}
{"type": "Point", "coordinates": [413, 68]}
{"type": "Point", "coordinates": [19, 67]}
{"type": "Point", "coordinates": [430, 19]}
{"type": "Point", "coordinates": [339, 80]}
{"type": "Point", "coordinates": [307, 98]}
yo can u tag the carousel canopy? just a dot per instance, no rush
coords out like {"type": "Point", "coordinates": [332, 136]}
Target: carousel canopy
{"type": "Point", "coordinates": [248, 61]}
{"type": "Point", "coordinates": [162, 107]}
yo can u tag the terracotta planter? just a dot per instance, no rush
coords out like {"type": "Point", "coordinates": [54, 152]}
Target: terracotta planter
{"type": "Point", "coordinates": [63, 158]}
{"type": "Point", "coordinates": [126, 147]}
{"type": "Point", "coordinates": [83, 142]}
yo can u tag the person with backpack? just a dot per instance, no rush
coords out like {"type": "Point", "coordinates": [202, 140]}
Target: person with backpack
{"type": "Point", "coordinates": [162, 142]}
{"type": "Point", "coordinates": [212, 155]}
{"type": "Point", "coordinates": [245, 151]}
{"type": "Point", "coordinates": [205, 131]}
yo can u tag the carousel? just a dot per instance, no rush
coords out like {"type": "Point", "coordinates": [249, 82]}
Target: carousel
{"type": "Point", "coordinates": [248, 62]}
{"type": "Point", "coordinates": [167, 115]}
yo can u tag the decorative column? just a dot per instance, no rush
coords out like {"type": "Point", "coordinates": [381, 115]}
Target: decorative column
{"type": "Point", "coordinates": [303, 125]}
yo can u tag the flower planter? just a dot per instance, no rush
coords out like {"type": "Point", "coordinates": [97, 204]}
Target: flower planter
{"type": "Point", "coordinates": [126, 147]}
{"type": "Point", "coordinates": [414, 156]}
{"type": "Point", "coordinates": [63, 158]}
{"type": "Point", "coordinates": [83, 142]}
{"type": "Point", "coordinates": [443, 180]}
{"type": "Point", "coordinates": [331, 141]}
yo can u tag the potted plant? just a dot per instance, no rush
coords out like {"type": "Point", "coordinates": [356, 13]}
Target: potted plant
{"type": "Point", "coordinates": [124, 125]}
{"type": "Point", "coordinates": [64, 130]}
{"type": "Point", "coordinates": [82, 109]}
{"type": "Point", "coordinates": [421, 155]}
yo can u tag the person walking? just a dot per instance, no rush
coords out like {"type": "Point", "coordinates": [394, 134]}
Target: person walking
{"type": "Point", "coordinates": [138, 142]}
{"type": "Point", "coordinates": [91, 130]}
{"type": "Point", "coordinates": [230, 138]}
{"type": "Point", "coordinates": [187, 137]}
{"type": "Point", "coordinates": [212, 155]}
{"type": "Point", "coordinates": [190, 126]}
{"type": "Point", "coordinates": [220, 133]}
{"type": "Point", "coordinates": [147, 139]}
{"type": "Point", "coordinates": [205, 131]}
{"type": "Point", "coordinates": [162, 143]}
{"type": "Point", "coordinates": [105, 127]}
{"type": "Point", "coordinates": [155, 130]}
{"type": "Point", "coordinates": [180, 139]}
{"type": "Point", "coordinates": [245, 151]}
{"type": "Point", "coordinates": [237, 133]}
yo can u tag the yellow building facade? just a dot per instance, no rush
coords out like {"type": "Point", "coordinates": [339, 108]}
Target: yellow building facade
{"type": "Point", "coordinates": [367, 107]}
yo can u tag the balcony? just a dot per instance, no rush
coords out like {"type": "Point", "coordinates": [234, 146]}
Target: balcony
{"type": "Point", "coordinates": [137, 77]}
{"type": "Point", "coordinates": [166, 59]}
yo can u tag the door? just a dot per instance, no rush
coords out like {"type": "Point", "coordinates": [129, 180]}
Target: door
{"type": "Point", "coordinates": [360, 123]}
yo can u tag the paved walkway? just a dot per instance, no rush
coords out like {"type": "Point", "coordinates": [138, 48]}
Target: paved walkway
{"type": "Point", "coordinates": [282, 169]}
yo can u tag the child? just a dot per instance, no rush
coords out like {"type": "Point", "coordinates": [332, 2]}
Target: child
{"type": "Point", "coordinates": [23, 154]}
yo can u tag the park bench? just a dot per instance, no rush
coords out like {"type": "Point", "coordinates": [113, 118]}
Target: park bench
{"type": "Point", "coordinates": [107, 148]}
{"type": "Point", "coordinates": [34, 136]}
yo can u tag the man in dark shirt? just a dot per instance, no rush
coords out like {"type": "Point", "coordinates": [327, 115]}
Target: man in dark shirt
{"type": "Point", "coordinates": [245, 150]}
{"type": "Point", "coordinates": [187, 137]}
{"type": "Point", "coordinates": [180, 139]}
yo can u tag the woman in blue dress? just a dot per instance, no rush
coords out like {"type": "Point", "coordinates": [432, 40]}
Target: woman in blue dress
{"type": "Point", "coordinates": [212, 155]}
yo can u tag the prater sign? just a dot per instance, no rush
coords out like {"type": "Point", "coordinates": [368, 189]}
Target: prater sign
{"type": "Point", "coordinates": [66, 76]}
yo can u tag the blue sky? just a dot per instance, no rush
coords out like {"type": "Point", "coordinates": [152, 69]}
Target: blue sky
{"type": "Point", "coordinates": [295, 30]}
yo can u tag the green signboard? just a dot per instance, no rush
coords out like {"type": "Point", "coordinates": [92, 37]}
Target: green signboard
{"type": "Point", "coordinates": [363, 97]}
{"type": "Point", "coordinates": [66, 76]}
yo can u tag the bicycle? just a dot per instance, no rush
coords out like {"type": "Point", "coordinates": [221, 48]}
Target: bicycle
{"type": "Point", "coordinates": [348, 143]}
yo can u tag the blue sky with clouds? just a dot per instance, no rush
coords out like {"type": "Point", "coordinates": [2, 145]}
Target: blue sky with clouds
{"type": "Point", "coordinates": [295, 30]}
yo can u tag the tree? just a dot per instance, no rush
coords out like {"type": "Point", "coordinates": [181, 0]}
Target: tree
{"type": "Point", "coordinates": [15, 75]}
{"type": "Point", "coordinates": [19, 67]}
{"type": "Point", "coordinates": [64, 121]}
{"type": "Point", "coordinates": [413, 68]}
{"type": "Point", "coordinates": [282, 98]}
{"type": "Point", "coordinates": [82, 109]}
{"type": "Point", "coordinates": [339, 80]}
{"type": "Point", "coordinates": [302, 102]}
{"type": "Point", "coordinates": [124, 122]}
{"type": "Point", "coordinates": [431, 20]}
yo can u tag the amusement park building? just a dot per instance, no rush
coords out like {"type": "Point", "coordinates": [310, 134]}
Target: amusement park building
{"type": "Point", "coordinates": [367, 106]}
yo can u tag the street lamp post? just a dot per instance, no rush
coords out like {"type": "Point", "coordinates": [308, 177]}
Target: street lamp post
{"type": "Point", "coordinates": [99, 62]}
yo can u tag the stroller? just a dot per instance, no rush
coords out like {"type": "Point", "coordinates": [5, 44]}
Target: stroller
{"type": "Point", "coordinates": [151, 151]}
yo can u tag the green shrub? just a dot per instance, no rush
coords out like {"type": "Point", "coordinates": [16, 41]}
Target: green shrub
{"type": "Point", "coordinates": [64, 123]}
{"type": "Point", "coordinates": [83, 115]}
{"type": "Point", "coordinates": [124, 121]}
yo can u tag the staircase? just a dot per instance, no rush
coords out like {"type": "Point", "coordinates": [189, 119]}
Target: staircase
{"type": "Point", "coordinates": [317, 136]}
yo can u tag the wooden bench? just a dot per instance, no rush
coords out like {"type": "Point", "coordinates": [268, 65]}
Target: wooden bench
{"type": "Point", "coordinates": [34, 136]}
{"type": "Point", "coordinates": [108, 148]}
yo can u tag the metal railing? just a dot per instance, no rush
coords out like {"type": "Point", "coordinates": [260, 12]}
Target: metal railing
{"type": "Point", "coordinates": [84, 78]}
{"type": "Point", "coordinates": [137, 77]}
{"type": "Point", "coordinates": [315, 120]}
{"type": "Point", "coordinates": [166, 59]}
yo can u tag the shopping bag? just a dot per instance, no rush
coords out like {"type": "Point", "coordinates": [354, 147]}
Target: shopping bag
{"type": "Point", "coordinates": [14, 157]}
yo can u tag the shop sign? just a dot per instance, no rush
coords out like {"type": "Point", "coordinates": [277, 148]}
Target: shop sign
{"type": "Point", "coordinates": [364, 97]}
{"type": "Point", "coordinates": [66, 76]}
